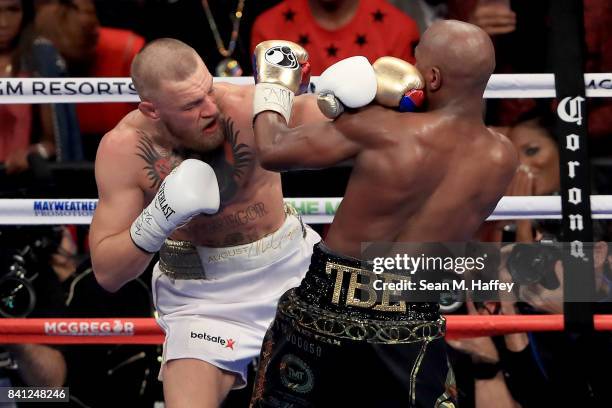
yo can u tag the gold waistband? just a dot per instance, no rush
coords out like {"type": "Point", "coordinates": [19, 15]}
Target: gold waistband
{"type": "Point", "coordinates": [180, 259]}
{"type": "Point", "coordinates": [339, 326]}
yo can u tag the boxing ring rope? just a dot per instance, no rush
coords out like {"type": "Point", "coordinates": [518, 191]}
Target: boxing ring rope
{"type": "Point", "coordinates": [146, 330]}
{"type": "Point", "coordinates": [87, 90]}
{"type": "Point", "coordinates": [315, 210]}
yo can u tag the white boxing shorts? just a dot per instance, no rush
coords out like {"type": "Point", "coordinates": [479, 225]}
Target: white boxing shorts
{"type": "Point", "coordinates": [215, 304]}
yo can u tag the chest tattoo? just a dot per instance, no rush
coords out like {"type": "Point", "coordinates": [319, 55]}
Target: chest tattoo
{"type": "Point", "coordinates": [231, 162]}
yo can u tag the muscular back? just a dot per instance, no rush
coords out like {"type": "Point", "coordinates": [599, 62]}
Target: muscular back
{"type": "Point", "coordinates": [419, 178]}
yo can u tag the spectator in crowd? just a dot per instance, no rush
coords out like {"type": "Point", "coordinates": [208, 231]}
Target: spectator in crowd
{"type": "Point", "coordinates": [480, 362]}
{"type": "Point", "coordinates": [529, 369]}
{"type": "Point", "coordinates": [208, 26]}
{"type": "Point", "coordinates": [551, 361]}
{"type": "Point", "coordinates": [332, 30]}
{"type": "Point", "coordinates": [90, 50]}
{"type": "Point", "coordinates": [127, 14]}
{"type": "Point", "coordinates": [548, 363]}
{"type": "Point", "coordinates": [129, 370]}
{"type": "Point", "coordinates": [536, 366]}
{"type": "Point", "coordinates": [519, 29]}
{"type": "Point", "coordinates": [37, 293]}
{"type": "Point", "coordinates": [424, 12]}
{"type": "Point", "coordinates": [29, 131]}
{"type": "Point", "coordinates": [539, 155]}
{"type": "Point", "coordinates": [42, 131]}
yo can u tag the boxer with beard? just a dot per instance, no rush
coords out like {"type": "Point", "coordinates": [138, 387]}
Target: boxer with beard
{"type": "Point", "coordinates": [181, 176]}
{"type": "Point", "coordinates": [423, 177]}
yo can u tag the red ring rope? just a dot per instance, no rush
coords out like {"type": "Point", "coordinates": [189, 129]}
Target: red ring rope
{"type": "Point", "coordinates": [146, 330]}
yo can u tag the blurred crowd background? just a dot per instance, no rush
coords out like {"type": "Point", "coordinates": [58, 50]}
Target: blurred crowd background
{"type": "Point", "coordinates": [48, 151]}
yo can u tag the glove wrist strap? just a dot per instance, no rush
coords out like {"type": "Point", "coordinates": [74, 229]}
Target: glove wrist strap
{"type": "Point", "coordinates": [273, 97]}
{"type": "Point", "coordinates": [146, 232]}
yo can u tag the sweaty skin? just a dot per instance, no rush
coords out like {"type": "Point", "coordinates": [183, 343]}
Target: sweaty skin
{"type": "Point", "coordinates": [133, 160]}
{"type": "Point", "coordinates": [417, 177]}
{"type": "Point", "coordinates": [181, 115]}
{"type": "Point", "coordinates": [252, 203]}
{"type": "Point", "coordinates": [251, 197]}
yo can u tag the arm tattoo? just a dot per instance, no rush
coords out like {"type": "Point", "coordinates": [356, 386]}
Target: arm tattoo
{"type": "Point", "coordinates": [157, 166]}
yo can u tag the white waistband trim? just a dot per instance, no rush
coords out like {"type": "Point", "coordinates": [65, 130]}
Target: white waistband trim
{"type": "Point", "coordinates": [267, 250]}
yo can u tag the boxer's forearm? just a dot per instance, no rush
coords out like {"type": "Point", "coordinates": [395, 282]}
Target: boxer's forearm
{"type": "Point", "coordinates": [307, 147]}
{"type": "Point", "coordinates": [116, 260]}
{"type": "Point", "coordinates": [270, 128]}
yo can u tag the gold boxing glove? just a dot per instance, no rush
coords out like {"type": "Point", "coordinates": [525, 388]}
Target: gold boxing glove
{"type": "Point", "coordinates": [400, 85]}
{"type": "Point", "coordinates": [281, 71]}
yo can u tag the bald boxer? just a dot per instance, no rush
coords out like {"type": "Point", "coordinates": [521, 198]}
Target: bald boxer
{"type": "Point", "coordinates": [417, 177]}
{"type": "Point", "coordinates": [181, 176]}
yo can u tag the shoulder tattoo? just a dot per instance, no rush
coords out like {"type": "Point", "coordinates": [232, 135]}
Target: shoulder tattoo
{"type": "Point", "coordinates": [157, 165]}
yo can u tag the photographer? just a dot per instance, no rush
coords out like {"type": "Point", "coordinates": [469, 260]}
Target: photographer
{"type": "Point", "coordinates": [29, 288]}
{"type": "Point", "coordinates": [537, 369]}
{"type": "Point", "coordinates": [130, 371]}
{"type": "Point", "coordinates": [484, 364]}
{"type": "Point", "coordinates": [539, 175]}
{"type": "Point", "coordinates": [483, 367]}
{"type": "Point", "coordinates": [548, 368]}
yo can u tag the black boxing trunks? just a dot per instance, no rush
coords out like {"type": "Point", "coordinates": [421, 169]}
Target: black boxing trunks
{"type": "Point", "coordinates": [328, 347]}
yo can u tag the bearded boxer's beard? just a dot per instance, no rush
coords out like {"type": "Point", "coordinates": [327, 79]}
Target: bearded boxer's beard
{"type": "Point", "coordinates": [201, 142]}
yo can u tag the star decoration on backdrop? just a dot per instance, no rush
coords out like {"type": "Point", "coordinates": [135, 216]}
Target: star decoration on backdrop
{"type": "Point", "coordinates": [303, 40]}
{"type": "Point", "coordinates": [289, 15]}
{"type": "Point", "coordinates": [332, 50]}
{"type": "Point", "coordinates": [378, 16]}
{"type": "Point", "coordinates": [361, 40]}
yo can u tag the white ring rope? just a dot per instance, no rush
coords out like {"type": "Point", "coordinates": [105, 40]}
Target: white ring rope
{"type": "Point", "coordinates": [315, 210]}
{"type": "Point", "coordinates": [84, 90]}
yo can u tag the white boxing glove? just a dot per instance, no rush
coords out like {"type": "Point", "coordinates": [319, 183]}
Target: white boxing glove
{"type": "Point", "coordinates": [190, 189]}
{"type": "Point", "coordinates": [350, 82]}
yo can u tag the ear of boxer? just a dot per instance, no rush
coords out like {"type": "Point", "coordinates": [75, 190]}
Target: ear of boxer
{"type": "Point", "coordinates": [400, 85]}
{"type": "Point", "coordinates": [281, 70]}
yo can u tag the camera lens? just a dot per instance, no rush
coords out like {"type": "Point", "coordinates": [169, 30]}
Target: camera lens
{"type": "Point", "coordinates": [450, 300]}
{"type": "Point", "coordinates": [533, 263]}
{"type": "Point", "coordinates": [17, 297]}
